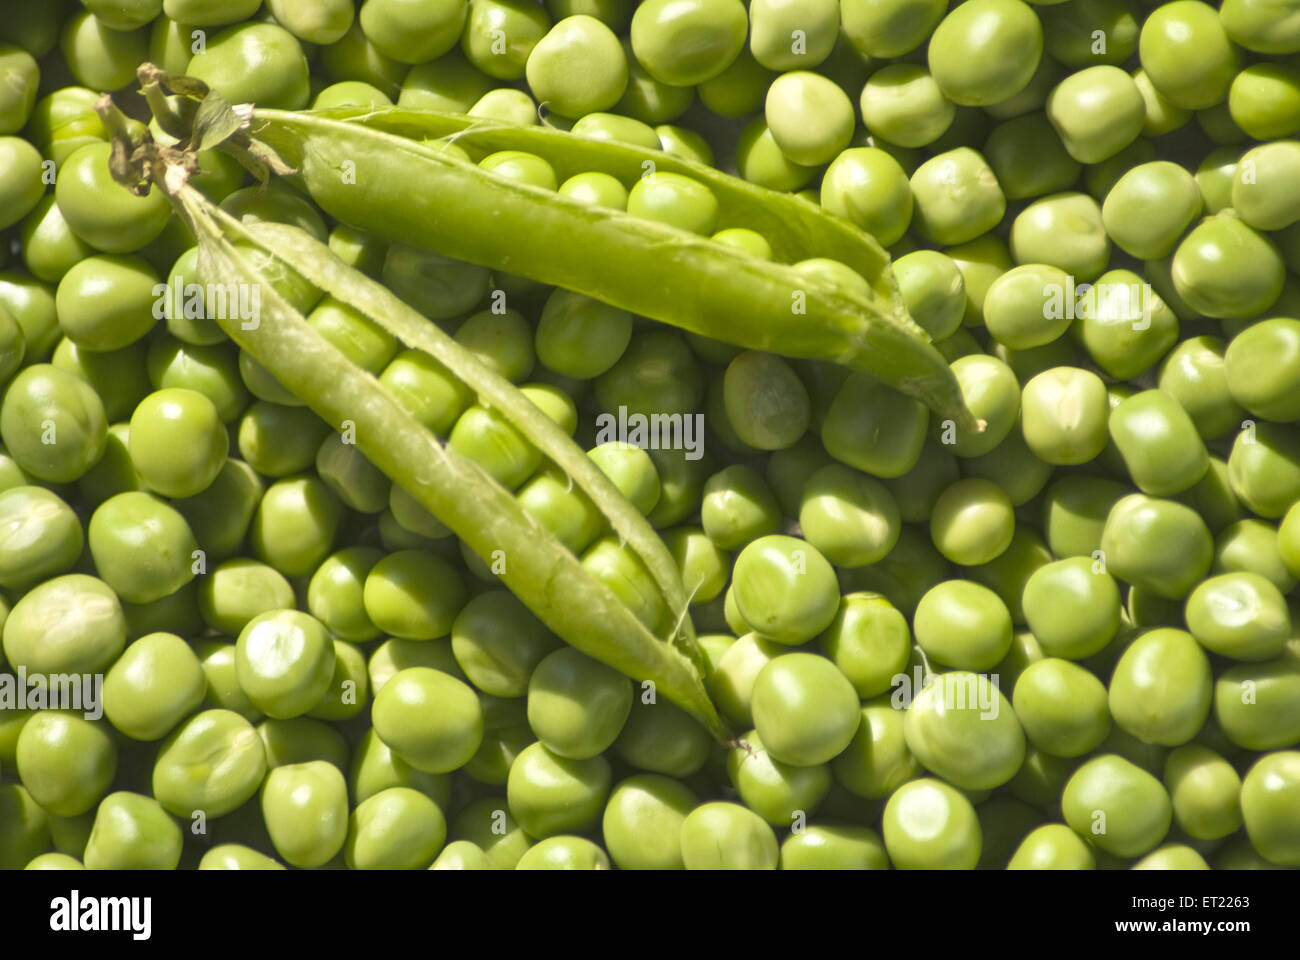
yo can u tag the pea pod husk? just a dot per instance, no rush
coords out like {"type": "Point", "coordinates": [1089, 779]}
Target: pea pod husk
{"type": "Point", "coordinates": [538, 569]}
{"type": "Point", "coordinates": [414, 194]}
{"type": "Point", "coordinates": [315, 263]}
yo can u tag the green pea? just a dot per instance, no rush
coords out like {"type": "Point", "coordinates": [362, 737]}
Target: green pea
{"type": "Point", "coordinates": [1062, 706]}
{"type": "Point", "coordinates": [809, 116]}
{"type": "Point", "coordinates": [578, 67]}
{"type": "Point", "coordinates": [436, 741]}
{"type": "Point", "coordinates": [211, 370]}
{"type": "Point", "coordinates": [737, 91]}
{"type": "Point", "coordinates": [785, 588]}
{"type": "Point", "coordinates": [961, 727]}
{"type": "Point", "coordinates": [662, 738]}
{"type": "Point", "coordinates": [1063, 415]}
{"type": "Point", "coordinates": [178, 442]}
{"type": "Point", "coordinates": [67, 762]}
{"type": "Point", "coordinates": [1018, 307]}
{"type": "Point", "coordinates": [305, 809]}
{"type": "Point", "coordinates": [972, 522]}
{"type": "Point", "coordinates": [259, 62]}
{"type": "Point", "coordinates": [685, 46]}
{"type": "Point", "coordinates": [594, 189]}
{"type": "Point", "coordinates": [376, 768]}
{"type": "Point", "coordinates": [888, 30]}
{"type": "Point", "coordinates": [779, 792]}
{"type": "Point", "coordinates": [1063, 230]}
{"type": "Point", "coordinates": [220, 516]}
{"type": "Point", "coordinates": [1175, 33]}
{"type": "Point", "coordinates": [50, 248]}
{"type": "Point", "coordinates": [1053, 846]}
{"type": "Point", "coordinates": [957, 197]}
{"type": "Point", "coordinates": [301, 740]}
{"type": "Point", "coordinates": [992, 394]}
{"type": "Point", "coordinates": [963, 624]}
{"type": "Point", "coordinates": [933, 291]}
{"type": "Point", "coordinates": [284, 662]}
{"type": "Point", "coordinates": [1264, 100]}
{"type": "Point", "coordinates": [1195, 375]}
{"type": "Point", "coordinates": [240, 589]}
{"type": "Point", "coordinates": [804, 709]}
{"type": "Point", "coordinates": [1262, 365]}
{"type": "Point", "coordinates": [69, 624]}
{"type": "Point", "coordinates": [702, 565]}
{"type": "Point", "coordinates": [1028, 157]}
{"type": "Point", "coordinates": [1205, 791]}
{"type": "Point", "coordinates": [929, 825]}
{"type": "Point", "coordinates": [564, 853]}
{"type": "Point", "coordinates": [1262, 467]}
{"type": "Point", "coordinates": [983, 54]}
{"type": "Point", "coordinates": [487, 823]}
{"type": "Point", "coordinates": [1073, 607]}
{"type": "Point", "coordinates": [877, 760]}
{"type": "Point", "coordinates": [642, 822]}
{"type": "Point", "coordinates": [1239, 615]}
{"type": "Point", "coordinates": [40, 536]}
{"type": "Point", "coordinates": [1256, 703]}
{"type": "Point", "coordinates": [727, 836]}
{"type": "Point", "coordinates": [132, 832]}
{"type": "Point", "coordinates": [155, 684]}
{"type": "Point", "coordinates": [732, 680]}
{"type": "Point", "coordinates": [396, 829]}
{"type": "Point", "coordinates": [294, 525]}
{"type": "Point", "coordinates": [1161, 689]}
{"type": "Point", "coordinates": [760, 161]}
{"type": "Point", "coordinates": [118, 376]}
{"type": "Point", "coordinates": [1159, 443]}
{"type": "Point", "coordinates": [1117, 806]}
{"type": "Point", "coordinates": [869, 187]}
{"type": "Point", "coordinates": [214, 762]}
{"type": "Point", "coordinates": [1223, 268]}
{"type": "Point", "coordinates": [1124, 325]}
{"type": "Point", "coordinates": [1149, 207]}
{"type": "Point", "coordinates": [576, 706]}
{"type": "Point", "coordinates": [394, 655]}
{"type": "Point", "coordinates": [52, 423]}
{"type": "Point", "coordinates": [903, 104]}
{"type": "Point", "coordinates": [1288, 541]}
{"type": "Point", "coordinates": [234, 856]}
{"type": "Point", "coordinates": [1136, 524]}
{"type": "Point", "coordinates": [549, 794]}
{"type": "Point", "coordinates": [1009, 572]}
{"type": "Point", "coordinates": [1252, 546]}
{"type": "Point", "coordinates": [869, 641]}
{"type": "Point", "coordinates": [1268, 795]}
{"type": "Point", "coordinates": [834, 847]}
{"type": "Point", "coordinates": [141, 546]}
{"type": "Point", "coordinates": [874, 428]}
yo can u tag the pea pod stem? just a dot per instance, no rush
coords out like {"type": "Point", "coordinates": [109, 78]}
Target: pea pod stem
{"type": "Point", "coordinates": [538, 568]}
{"type": "Point", "coordinates": [460, 210]}
{"type": "Point", "coordinates": [318, 265]}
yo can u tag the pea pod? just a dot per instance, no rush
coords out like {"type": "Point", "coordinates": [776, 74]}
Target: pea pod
{"type": "Point", "coordinates": [313, 260]}
{"type": "Point", "coordinates": [539, 570]}
{"type": "Point", "coordinates": [461, 210]}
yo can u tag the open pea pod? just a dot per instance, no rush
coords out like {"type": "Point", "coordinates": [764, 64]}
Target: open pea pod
{"type": "Point", "coordinates": [460, 210]}
{"type": "Point", "coordinates": [317, 264]}
{"type": "Point", "coordinates": [795, 228]}
{"type": "Point", "coordinates": [538, 569]}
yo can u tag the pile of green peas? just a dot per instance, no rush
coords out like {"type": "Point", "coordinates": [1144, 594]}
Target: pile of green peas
{"type": "Point", "coordinates": [1068, 641]}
